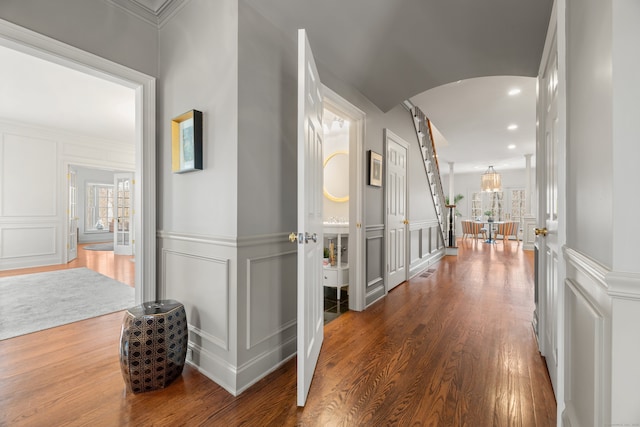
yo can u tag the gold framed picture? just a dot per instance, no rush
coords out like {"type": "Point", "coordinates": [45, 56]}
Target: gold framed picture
{"type": "Point", "coordinates": [186, 142]}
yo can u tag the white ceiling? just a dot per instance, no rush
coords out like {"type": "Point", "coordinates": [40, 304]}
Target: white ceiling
{"type": "Point", "coordinates": [40, 93]}
{"type": "Point", "coordinates": [473, 116]}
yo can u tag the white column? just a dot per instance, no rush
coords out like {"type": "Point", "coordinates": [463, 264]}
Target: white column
{"type": "Point", "coordinates": [529, 220]}
{"type": "Point", "coordinates": [527, 191]}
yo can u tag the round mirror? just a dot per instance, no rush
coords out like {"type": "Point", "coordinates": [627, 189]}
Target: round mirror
{"type": "Point", "coordinates": [336, 177]}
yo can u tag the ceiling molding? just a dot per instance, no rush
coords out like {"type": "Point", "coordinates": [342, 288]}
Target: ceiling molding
{"type": "Point", "coordinates": [155, 12]}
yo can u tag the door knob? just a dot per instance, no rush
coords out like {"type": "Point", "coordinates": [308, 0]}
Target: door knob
{"type": "Point", "coordinates": [308, 237]}
{"type": "Point", "coordinates": [541, 231]}
{"type": "Point", "coordinates": [406, 221]}
{"type": "Point", "coordinates": [293, 237]}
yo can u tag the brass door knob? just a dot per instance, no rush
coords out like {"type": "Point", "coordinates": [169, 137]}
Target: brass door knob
{"type": "Point", "coordinates": [293, 237]}
{"type": "Point", "coordinates": [541, 231]}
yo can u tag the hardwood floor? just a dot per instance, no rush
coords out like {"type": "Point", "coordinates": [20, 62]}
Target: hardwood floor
{"type": "Point", "coordinates": [118, 267]}
{"type": "Point", "coordinates": [455, 348]}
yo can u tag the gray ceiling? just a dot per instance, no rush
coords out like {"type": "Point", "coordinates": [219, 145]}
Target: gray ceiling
{"type": "Point", "coordinates": [391, 50]}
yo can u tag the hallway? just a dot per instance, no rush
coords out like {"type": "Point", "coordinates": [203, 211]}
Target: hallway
{"type": "Point", "coordinates": [451, 349]}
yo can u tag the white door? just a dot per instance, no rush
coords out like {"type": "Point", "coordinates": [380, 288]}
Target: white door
{"type": "Point", "coordinates": [72, 242]}
{"type": "Point", "coordinates": [550, 231]}
{"type": "Point", "coordinates": [123, 214]}
{"type": "Point", "coordinates": [397, 223]}
{"type": "Point", "coordinates": [309, 236]}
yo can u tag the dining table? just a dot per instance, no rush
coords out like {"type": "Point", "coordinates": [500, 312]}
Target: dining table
{"type": "Point", "coordinates": [490, 224]}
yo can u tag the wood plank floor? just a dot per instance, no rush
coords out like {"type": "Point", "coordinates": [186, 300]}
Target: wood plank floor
{"type": "Point", "coordinates": [452, 349]}
{"type": "Point", "coordinates": [118, 267]}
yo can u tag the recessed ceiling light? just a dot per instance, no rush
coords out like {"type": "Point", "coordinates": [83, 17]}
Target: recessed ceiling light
{"type": "Point", "coordinates": [511, 146]}
{"type": "Point", "coordinates": [514, 91]}
{"type": "Point", "coordinates": [512, 127]}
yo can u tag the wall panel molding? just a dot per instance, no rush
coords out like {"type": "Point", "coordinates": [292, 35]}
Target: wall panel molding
{"type": "Point", "coordinates": [198, 238]}
{"type": "Point", "coordinates": [186, 277]}
{"type": "Point", "coordinates": [28, 241]}
{"type": "Point", "coordinates": [275, 264]}
{"type": "Point", "coordinates": [374, 264]}
{"type": "Point", "coordinates": [586, 364]}
{"type": "Point", "coordinates": [623, 285]}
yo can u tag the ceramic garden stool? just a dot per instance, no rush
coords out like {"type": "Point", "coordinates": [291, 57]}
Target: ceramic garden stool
{"type": "Point", "coordinates": [153, 345]}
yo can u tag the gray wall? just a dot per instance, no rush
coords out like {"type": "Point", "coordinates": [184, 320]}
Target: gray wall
{"type": "Point", "coordinates": [91, 25]}
{"type": "Point", "coordinates": [267, 126]}
{"type": "Point", "coordinates": [198, 70]}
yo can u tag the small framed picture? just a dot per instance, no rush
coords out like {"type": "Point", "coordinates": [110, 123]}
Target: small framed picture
{"type": "Point", "coordinates": [375, 169]}
{"type": "Point", "coordinates": [186, 142]}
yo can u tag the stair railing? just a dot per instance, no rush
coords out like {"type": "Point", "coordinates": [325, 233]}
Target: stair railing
{"type": "Point", "coordinates": [427, 148]}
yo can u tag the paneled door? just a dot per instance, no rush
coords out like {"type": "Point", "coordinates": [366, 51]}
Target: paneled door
{"type": "Point", "coordinates": [123, 218]}
{"type": "Point", "coordinates": [72, 215]}
{"type": "Point", "coordinates": [550, 232]}
{"type": "Point", "coordinates": [309, 235]}
{"type": "Point", "coordinates": [396, 203]}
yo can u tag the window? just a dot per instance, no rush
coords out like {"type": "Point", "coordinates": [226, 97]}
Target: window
{"type": "Point", "coordinates": [99, 207]}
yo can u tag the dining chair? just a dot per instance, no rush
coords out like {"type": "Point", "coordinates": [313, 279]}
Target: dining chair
{"type": "Point", "coordinates": [508, 228]}
{"type": "Point", "coordinates": [477, 230]}
{"type": "Point", "coordinates": [466, 228]}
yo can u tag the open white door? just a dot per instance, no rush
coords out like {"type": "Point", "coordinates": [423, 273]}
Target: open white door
{"type": "Point", "coordinates": [309, 235]}
{"type": "Point", "coordinates": [123, 218]}
{"type": "Point", "coordinates": [551, 207]}
{"type": "Point", "coordinates": [396, 203]}
{"type": "Point", "coordinates": [72, 215]}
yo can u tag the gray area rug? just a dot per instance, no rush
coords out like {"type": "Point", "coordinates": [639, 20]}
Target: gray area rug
{"type": "Point", "coordinates": [34, 302]}
{"type": "Point", "coordinates": [100, 247]}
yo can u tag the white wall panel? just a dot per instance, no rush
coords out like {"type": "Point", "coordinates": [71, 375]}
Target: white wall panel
{"type": "Point", "coordinates": [27, 241]}
{"type": "Point", "coordinates": [271, 298]}
{"type": "Point", "coordinates": [29, 176]}
{"type": "Point", "coordinates": [202, 284]}
{"type": "Point", "coordinates": [585, 359]}
{"type": "Point", "coordinates": [424, 252]}
{"type": "Point", "coordinates": [414, 245]}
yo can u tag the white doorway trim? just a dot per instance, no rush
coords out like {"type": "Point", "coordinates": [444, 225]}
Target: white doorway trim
{"type": "Point", "coordinates": [356, 117]}
{"type": "Point", "coordinates": [32, 43]}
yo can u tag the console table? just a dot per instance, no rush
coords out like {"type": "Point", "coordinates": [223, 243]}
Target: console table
{"type": "Point", "coordinates": [337, 276]}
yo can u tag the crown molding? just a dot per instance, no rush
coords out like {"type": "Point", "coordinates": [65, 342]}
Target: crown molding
{"type": "Point", "coordinates": [155, 12]}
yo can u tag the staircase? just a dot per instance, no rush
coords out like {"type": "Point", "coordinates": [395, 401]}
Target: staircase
{"type": "Point", "coordinates": [425, 136]}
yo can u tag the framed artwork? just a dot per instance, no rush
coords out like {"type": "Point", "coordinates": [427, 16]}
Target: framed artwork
{"type": "Point", "coordinates": [375, 169]}
{"type": "Point", "coordinates": [186, 142]}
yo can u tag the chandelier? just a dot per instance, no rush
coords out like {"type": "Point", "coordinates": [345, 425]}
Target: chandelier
{"type": "Point", "coordinates": [491, 180]}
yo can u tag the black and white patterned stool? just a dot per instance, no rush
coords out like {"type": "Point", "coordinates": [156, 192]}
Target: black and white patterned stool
{"type": "Point", "coordinates": [153, 344]}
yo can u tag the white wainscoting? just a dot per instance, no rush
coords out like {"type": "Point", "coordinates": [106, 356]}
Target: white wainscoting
{"type": "Point", "coordinates": [426, 248]}
{"type": "Point", "coordinates": [201, 283]}
{"type": "Point", "coordinates": [198, 272]}
{"type": "Point", "coordinates": [28, 241]}
{"type": "Point", "coordinates": [267, 310]}
{"type": "Point", "coordinates": [270, 291]}
{"type": "Point", "coordinates": [374, 258]}
{"type": "Point", "coordinates": [587, 342]}
{"type": "Point", "coordinates": [240, 296]}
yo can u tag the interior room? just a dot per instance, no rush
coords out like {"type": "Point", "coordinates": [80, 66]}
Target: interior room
{"type": "Point", "coordinates": [65, 135]}
{"type": "Point", "coordinates": [335, 214]}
